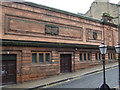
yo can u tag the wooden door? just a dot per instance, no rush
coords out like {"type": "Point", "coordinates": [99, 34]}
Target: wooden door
{"type": "Point", "coordinates": [8, 70]}
{"type": "Point", "coordinates": [65, 63]}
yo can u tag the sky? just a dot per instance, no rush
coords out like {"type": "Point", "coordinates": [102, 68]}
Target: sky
{"type": "Point", "coordinates": [74, 6]}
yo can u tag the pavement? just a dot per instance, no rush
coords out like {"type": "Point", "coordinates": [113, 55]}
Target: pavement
{"type": "Point", "coordinates": [61, 77]}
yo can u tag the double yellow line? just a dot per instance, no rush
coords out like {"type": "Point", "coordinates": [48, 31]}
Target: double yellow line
{"type": "Point", "coordinates": [58, 83]}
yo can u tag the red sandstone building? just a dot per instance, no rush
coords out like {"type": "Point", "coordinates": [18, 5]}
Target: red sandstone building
{"type": "Point", "coordinates": [39, 41]}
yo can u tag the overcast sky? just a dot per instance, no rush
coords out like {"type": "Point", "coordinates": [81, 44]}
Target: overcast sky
{"type": "Point", "coordinates": [74, 6]}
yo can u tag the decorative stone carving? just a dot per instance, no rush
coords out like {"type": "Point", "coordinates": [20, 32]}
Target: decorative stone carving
{"type": "Point", "coordinates": [51, 29]}
{"type": "Point", "coordinates": [94, 35]}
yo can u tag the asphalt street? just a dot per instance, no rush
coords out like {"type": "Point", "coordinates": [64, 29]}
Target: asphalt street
{"type": "Point", "coordinates": [91, 81]}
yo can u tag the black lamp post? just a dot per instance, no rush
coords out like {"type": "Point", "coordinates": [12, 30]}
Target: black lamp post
{"type": "Point", "coordinates": [103, 50]}
{"type": "Point", "coordinates": [117, 48]}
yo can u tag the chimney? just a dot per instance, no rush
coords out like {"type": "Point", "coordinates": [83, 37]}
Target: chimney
{"type": "Point", "coordinates": [107, 18]}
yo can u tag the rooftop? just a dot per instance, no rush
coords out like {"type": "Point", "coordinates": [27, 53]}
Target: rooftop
{"type": "Point", "coordinates": [64, 12]}
{"type": "Point", "coordinates": [58, 10]}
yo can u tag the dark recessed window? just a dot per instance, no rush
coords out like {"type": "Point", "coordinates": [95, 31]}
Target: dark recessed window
{"type": "Point", "coordinates": [99, 56]}
{"type": "Point", "coordinates": [84, 56]}
{"type": "Point", "coordinates": [96, 56]}
{"type": "Point", "coordinates": [41, 59]}
{"type": "Point", "coordinates": [34, 57]}
{"type": "Point", "coordinates": [47, 57]}
{"type": "Point", "coordinates": [88, 56]}
{"type": "Point", "coordinates": [111, 56]}
{"type": "Point", "coordinates": [108, 56]}
{"type": "Point", "coordinates": [80, 56]}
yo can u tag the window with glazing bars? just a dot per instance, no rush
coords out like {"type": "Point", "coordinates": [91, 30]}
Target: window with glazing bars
{"type": "Point", "coordinates": [41, 57]}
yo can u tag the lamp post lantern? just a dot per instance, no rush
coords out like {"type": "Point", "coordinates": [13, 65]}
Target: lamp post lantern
{"type": "Point", "coordinates": [103, 50]}
{"type": "Point", "coordinates": [117, 48]}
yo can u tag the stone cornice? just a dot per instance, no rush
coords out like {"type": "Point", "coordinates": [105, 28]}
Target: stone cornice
{"type": "Point", "coordinates": [6, 42]}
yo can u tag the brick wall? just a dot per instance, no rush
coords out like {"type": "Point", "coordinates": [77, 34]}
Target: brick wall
{"type": "Point", "coordinates": [23, 22]}
{"type": "Point", "coordinates": [26, 70]}
{"type": "Point", "coordinates": [28, 23]}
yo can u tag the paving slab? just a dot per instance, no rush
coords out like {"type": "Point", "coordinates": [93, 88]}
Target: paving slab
{"type": "Point", "coordinates": [61, 77]}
